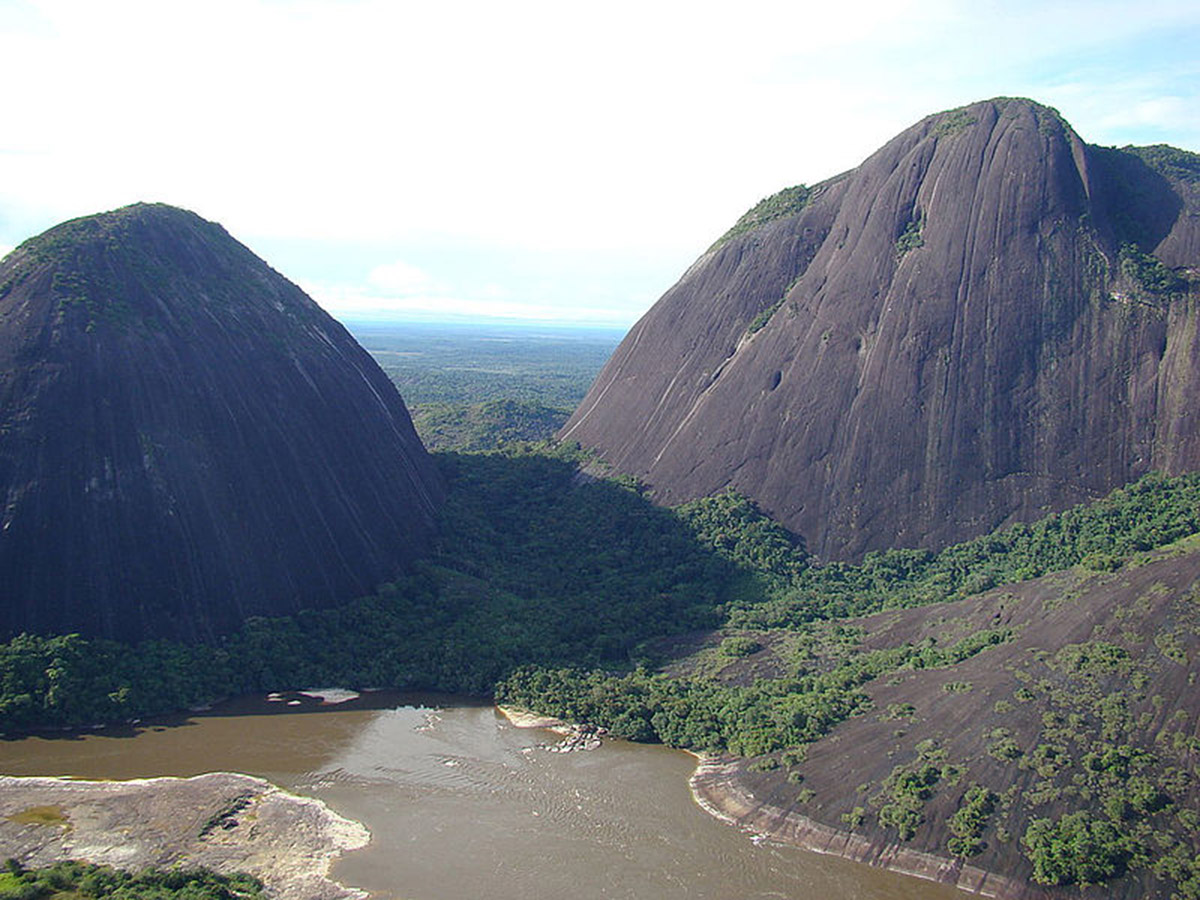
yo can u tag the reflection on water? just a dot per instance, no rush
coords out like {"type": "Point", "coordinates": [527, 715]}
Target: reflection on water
{"type": "Point", "coordinates": [461, 804]}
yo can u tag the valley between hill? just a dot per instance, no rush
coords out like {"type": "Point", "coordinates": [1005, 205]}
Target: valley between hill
{"type": "Point", "coordinates": [1014, 712]}
{"type": "Point", "coordinates": [709, 628]}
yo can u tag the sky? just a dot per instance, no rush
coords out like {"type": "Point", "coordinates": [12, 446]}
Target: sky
{"type": "Point", "coordinates": [532, 161]}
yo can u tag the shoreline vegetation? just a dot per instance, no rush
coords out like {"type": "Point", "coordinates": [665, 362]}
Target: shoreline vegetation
{"type": "Point", "coordinates": [224, 822]}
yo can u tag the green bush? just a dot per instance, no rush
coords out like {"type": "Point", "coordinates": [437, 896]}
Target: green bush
{"type": "Point", "coordinates": [1148, 271]}
{"type": "Point", "coordinates": [738, 646]}
{"type": "Point", "coordinates": [1076, 849]}
{"type": "Point", "coordinates": [787, 202]}
{"type": "Point", "coordinates": [83, 880]}
{"type": "Point", "coordinates": [969, 821]}
{"type": "Point", "coordinates": [910, 238]}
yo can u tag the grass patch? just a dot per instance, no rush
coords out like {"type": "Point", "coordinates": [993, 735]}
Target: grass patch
{"type": "Point", "coordinates": [42, 815]}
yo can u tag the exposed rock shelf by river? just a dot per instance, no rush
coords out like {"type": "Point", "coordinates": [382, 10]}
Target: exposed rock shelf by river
{"type": "Point", "coordinates": [523, 718]}
{"type": "Point", "coordinates": [575, 736]}
{"type": "Point", "coordinates": [717, 790]}
{"type": "Point", "coordinates": [222, 821]}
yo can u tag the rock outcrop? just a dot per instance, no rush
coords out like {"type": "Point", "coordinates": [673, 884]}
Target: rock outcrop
{"type": "Point", "coordinates": [987, 320]}
{"type": "Point", "coordinates": [222, 821]}
{"type": "Point", "coordinates": [187, 439]}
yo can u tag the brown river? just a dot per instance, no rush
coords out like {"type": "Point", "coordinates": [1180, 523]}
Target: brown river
{"type": "Point", "coordinates": [463, 805]}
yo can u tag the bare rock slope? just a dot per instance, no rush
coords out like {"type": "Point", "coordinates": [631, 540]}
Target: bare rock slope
{"type": "Point", "coordinates": [187, 439]}
{"type": "Point", "coordinates": [987, 320]}
{"type": "Point", "coordinates": [1083, 710]}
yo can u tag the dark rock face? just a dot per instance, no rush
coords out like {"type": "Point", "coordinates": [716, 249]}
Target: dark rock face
{"type": "Point", "coordinates": [187, 439]}
{"type": "Point", "coordinates": [987, 320]}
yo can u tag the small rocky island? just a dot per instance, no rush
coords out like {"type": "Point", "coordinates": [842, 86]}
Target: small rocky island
{"type": "Point", "coordinates": [220, 821]}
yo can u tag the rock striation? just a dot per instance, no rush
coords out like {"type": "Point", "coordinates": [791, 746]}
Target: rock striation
{"type": "Point", "coordinates": [987, 320]}
{"type": "Point", "coordinates": [187, 439]}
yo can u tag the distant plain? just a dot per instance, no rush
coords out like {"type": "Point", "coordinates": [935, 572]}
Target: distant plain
{"type": "Point", "coordinates": [470, 387]}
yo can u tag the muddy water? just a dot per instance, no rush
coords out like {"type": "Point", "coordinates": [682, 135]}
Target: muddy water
{"type": "Point", "coordinates": [461, 804]}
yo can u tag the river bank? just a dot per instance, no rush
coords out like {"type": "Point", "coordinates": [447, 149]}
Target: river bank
{"type": "Point", "coordinates": [221, 821]}
{"type": "Point", "coordinates": [717, 790]}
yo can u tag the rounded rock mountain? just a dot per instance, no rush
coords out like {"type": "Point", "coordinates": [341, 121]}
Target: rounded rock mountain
{"type": "Point", "coordinates": [986, 321]}
{"type": "Point", "coordinates": [187, 439]}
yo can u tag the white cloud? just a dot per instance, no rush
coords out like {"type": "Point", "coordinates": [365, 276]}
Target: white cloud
{"type": "Point", "coordinates": [532, 126]}
{"type": "Point", "coordinates": [350, 302]}
{"type": "Point", "coordinates": [1156, 112]}
{"type": "Point", "coordinates": [400, 279]}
